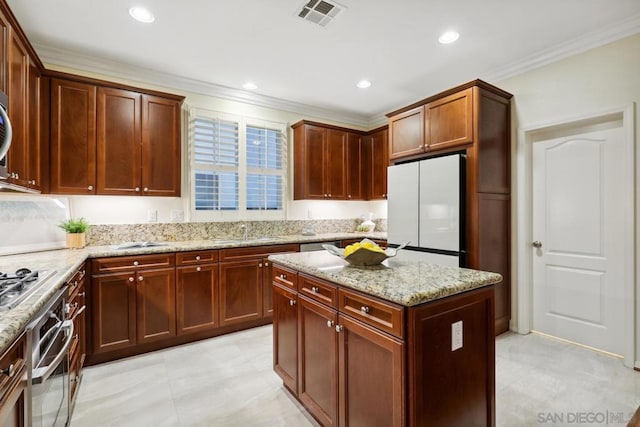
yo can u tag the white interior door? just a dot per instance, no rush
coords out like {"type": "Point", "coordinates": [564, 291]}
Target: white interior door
{"type": "Point", "coordinates": [580, 191]}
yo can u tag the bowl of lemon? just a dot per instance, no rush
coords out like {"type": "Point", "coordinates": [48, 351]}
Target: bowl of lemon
{"type": "Point", "coordinates": [364, 253]}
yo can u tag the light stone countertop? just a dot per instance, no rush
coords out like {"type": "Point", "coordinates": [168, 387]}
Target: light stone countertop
{"type": "Point", "coordinates": [398, 279]}
{"type": "Point", "coordinates": [66, 261]}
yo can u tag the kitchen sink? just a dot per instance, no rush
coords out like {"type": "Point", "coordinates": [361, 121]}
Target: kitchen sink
{"type": "Point", "coordinates": [257, 239]}
{"type": "Point", "coordinates": [131, 245]}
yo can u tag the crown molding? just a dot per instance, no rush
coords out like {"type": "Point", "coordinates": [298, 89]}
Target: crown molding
{"type": "Point", "coordinates": [621, 29]}
{"type": "Point", "coordinates": [80, 61]}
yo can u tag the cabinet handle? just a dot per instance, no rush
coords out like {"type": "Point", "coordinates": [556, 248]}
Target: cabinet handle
{"type": "Point", "coordinates": [140, 278]}
{"type": "Point", "coordinates": [314, 289]}
{"type": "Point", "coordinates": [339, 328]}
{"type": "Point", "coordinates": [197, 257]}
{"type": "Point", "coordinates": [145, 189]}
{"type": "Point", "coordinates": [131, 279]}
{"type": "Point", "coordinates": [90, 188]}
{"type": "Point", "coordinates": [364, 309]}
{"type": "Point", "coordinates": [76, 337]}
{"type": "Point", "coordinates": [260, 265]}
{"type": "Point", "coordinates": [266, 264]}
{"type": "Point", "coordinates": [330, 323]}
{"type": "Point", "coordinates": [292, 302]}
{"type": "Point", "coordinates": [348, 196]}
{"type": "Point", "coordinates": [136, 263]}
{"type": "Point", "coordinates": [198, 269]}
{"type": "Point", "coordinates": [82, 294]}
{"type": "Point", "coordinates": [9, 371]}
{"type": "Point", "coordinates": [326, 195]}
{"type": "Point", "coordinates": [329, 194]}
{"type": "Point", "coordinates": [283, 276]}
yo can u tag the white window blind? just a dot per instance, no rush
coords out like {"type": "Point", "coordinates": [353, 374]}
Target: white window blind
{"type": "Point", "coordinates": [237, 165]}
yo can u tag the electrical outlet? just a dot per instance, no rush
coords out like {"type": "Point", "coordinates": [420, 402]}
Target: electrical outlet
{"type": "Point", "coordinates": [456, 335]}
{"type": "Point", "coordinates": [177, 215]}
{"type": "Point", "coordinates": [309, 214]}
{"type": "Point", "coordinates": [152, 215]}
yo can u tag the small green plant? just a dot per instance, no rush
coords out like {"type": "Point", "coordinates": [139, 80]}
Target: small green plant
{"type": "Point", "coordinates": [74, 226]}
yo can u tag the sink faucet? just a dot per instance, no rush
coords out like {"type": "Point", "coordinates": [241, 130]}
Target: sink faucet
{"type": "Point", "coordinates": [245, 231]}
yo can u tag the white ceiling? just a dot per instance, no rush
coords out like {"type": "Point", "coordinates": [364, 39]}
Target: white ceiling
{"type": "Point", "coordinates": [220, 44]}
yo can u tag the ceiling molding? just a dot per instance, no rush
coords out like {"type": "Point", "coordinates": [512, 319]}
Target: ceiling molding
{"type": "Point", "coordinates": [67, 58]}
{"type": "Point", "coordinates": [600, 37]}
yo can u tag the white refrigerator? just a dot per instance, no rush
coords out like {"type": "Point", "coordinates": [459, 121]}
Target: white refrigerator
{"type": "Point", "coordinates": [425, 201]}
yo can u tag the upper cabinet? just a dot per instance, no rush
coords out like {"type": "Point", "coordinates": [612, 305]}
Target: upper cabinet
{"type": "Point", "coordinates": [337, 163]}
{"type": "Point", "coordinates": [124, 142]}
{"type": "Point", "coordinates": [407, 133]}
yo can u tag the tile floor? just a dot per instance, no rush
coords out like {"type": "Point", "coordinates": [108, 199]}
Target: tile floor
{"type": "Point", "coordinates": [229, 381]}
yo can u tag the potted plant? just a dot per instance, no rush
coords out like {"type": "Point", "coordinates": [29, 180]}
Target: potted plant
{"type": "Point", "coordinates": [76, 229]}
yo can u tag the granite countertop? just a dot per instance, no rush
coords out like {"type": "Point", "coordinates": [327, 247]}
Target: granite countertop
{"type": "Point", "coordinates": [398, 279]}
{"type": "Point", "coordinates": [66, 261]}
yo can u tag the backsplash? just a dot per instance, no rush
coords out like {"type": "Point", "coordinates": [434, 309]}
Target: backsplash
{"type": "Point", "coordinates": [175, 232]}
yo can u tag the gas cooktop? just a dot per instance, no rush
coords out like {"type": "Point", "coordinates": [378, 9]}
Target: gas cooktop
{"type": "Point", "coordinates": [18, 286]}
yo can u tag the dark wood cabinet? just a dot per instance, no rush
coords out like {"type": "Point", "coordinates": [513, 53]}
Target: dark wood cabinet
{"type": "Point", "coordinates": [240, 291]}
{"type": "Point", "coordinates": [73, 137]}
{"type": "Point", "coordinates": [77, 292]}
{"type": "Point", "coordinates": [197, 292]}
{"type": "Point", "coordinates": [156, 309]}
{"type": "Point", "coordinates": [285, 336]}
{"type": "Point", "coordinates": [334, 163]}
{"type": "Point", "coordinates": [13, 384]}
{"type": "Point", "coordinates": [18, 79]}
{"type": "Point", "coordinates": [37, 144]}
{"type": "Point", "coordinates": [130, 139]}
{"type": "Point", "coordinates": [377, 163]}
{"type": "Point", "coordinates": [354, 166]}
{"type": "Point", "coordinates": [406, 133]}
{"type": "Point", "coordinates": [118, 142]}
{"type": "Point", "coordinates": [473, 118]}
{"type": "Point", "coordinates": [4, 36]}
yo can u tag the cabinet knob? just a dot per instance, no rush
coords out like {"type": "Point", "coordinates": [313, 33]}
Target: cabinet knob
{"type": "Point", "coordinates": [90, 188]}
{"type": "Point", "coordinates": [292, 302]}
{"type": "Point", "coordinates": [131, 279]}
{"type": "Point", "coordinates": [9, 371]}
{"type": "Point", "coordinates": [197, 257]}
{"type": "Point", "coordinates": [384, 195]}
{"type": "Point", "coordinates": [137, 189]}
{"type": "Point", "coordinates": [145, 189]}
{"type": "Point", "coordinates": [140, 278]}
{"type": "Point", "coordinates": [266, 264]}
{"type": "Point", "coordinates": [199, 269]}
{"type": "Point", "coordinates": [329, 194]}
{"type": "Point", "coordinates": [283, 276]}
{"type": "Point", "coordinates": [330, 323]}
{"type": "Point", "coordinates": [339, 328]}
{"type": "Point", "coordinates": [348, 196]}
{"type": "Point", "coordinates": [82, 294]}
{"type": "Point", "coordinates": [260, 265]}
{"type": "Point", "coordinates": [135, 263]}
{"type": "Point", "coordinates": [314, 289]}
{"type": "Point", "coordinates": [364, 309]}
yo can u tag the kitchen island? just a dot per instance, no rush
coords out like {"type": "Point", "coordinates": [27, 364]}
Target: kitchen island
{"type": "Point", "coordinates": [402, 343]}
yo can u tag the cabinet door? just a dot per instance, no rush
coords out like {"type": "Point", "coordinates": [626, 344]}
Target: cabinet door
{"type": "Point", "coordinates": [240, 291]}
{"type": "Point", "coordinates": [13, 386]}
{"type": "Point", "coordinates": [285, 336]}
{"type": "Point", "coordinates": [371, 376]}
{"type": "Point", "coordinates": [449, 121]}
{"type": "Point", "coordinates": [160, 146]}
{"type": "Point", "coordinates": [118, 142]}
{"type": "Point", "coordinates": [4, 35]}
{"type": "Point", "coordinates": [406, 133]}
{"type": "Point", "coordinates": [379, 162]}
{"type": "Point", "coordinates": [35, 152]}
{"type": "Point", "coordinates": [197, 298]}
{"type": "Point", "coordinates": [335, 176]}
{"type": "Point", "coordinates": [318, 363]}
{"type": "Point", "coordinates": [156, 304]}
{"type": "Point", "coordinates": [73, 137]}
{"type": "Point", "coordinates": [267, 293]}
{"type": "Point", "coordinates": [113, 311]}
{"type": "Point", "coordinates": [18, 67]}
{"type": "Point", "coordinates": [355, 166]}
{"type": "Point", "coordinates": [314, 160]}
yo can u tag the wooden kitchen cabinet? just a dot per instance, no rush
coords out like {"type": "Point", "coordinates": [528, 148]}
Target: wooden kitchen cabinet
{"type": "Point", "coordinates": [18, 109]}
{"type": "Point", "coordinates": [132, 306]}
{"type": "Point", "coordinates": [449, 121]}
{"type": "Point", "coordinates": [73, 137]}
{"type": "Point", "coordinates": [76, 287]}
{"type": "Point", "coordinates": [129, 138]}
{"type": "Point", "coordinates": [13, 384]}
{"type": "Point", "coordinates": [285, 336]}
{"type": "Point", "coordinates": [377, 163]}
{"type": "Point", "coordinates": [197, 298]}
{"type": "Point", "coordinates": [354, 166]}
{"type": "Point", "coordinates": [406, 133]}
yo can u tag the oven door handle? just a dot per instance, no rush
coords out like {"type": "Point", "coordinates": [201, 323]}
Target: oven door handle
{"type": "Point", "coordinates": [40, 375]}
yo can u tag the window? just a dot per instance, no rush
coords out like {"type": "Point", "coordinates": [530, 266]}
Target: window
{"type": "Point", "coordinates": [238, 167]}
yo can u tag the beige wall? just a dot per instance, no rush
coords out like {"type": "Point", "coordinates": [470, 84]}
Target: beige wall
{"type": "Point", "coordinates": [586, 84]}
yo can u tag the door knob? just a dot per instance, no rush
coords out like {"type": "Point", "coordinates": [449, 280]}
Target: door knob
{"type": "Point", "coordinates": [537, 244]}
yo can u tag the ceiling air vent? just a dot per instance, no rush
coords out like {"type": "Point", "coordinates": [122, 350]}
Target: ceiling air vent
{"type": "Point", "coordinates": [320, 12]}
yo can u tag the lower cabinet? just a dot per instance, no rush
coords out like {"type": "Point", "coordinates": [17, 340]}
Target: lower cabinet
{"type": "Point", "coordinates": [196, 298]}
{"type": "Point", "coordinates": [349, 373]}
{"type": "Point", "coordinates": [76, 287]}
{"type": "Point", "coordinates": [240, 291]}
{"type": "Point", "coordinates": [13, 384]}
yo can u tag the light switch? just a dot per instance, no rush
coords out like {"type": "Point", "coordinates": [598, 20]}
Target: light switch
{"type": "Point", "coordinates": [456, 335]}
{"type": "Point", "coordinates": [152, 215]}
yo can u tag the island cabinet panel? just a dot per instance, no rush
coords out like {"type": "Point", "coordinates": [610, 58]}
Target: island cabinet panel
{"type": "Point", "coordinates": [240, 291]}
{"type": "Point", "coordinates": [196, 298]}
{"type": "Point", "coordinates": [13, 366]}
{"type": "Point", "coordinates": [451, 385]}
{"type": "Point", "coordinates": [318, 290]}
{"type": "Point", "coordinates": [285, 336]}
{"type": "Point", "coordinates": [371, 376]}
{"type": "Point", "coordinates": [318, 360]}
{"type": "Point", "coordinates": [156, 304]}
{"type": "Point", "coordinates": [380, 314]}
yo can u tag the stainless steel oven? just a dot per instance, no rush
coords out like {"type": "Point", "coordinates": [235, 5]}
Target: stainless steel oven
{"type": "Point", "coordinates": [50, 336]}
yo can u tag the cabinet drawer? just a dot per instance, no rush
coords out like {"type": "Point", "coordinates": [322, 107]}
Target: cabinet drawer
{"type": "Point", "coordinates": [77, 280]}
{"type": "Point", "coordinates": [284, 276]}
{"type": "Point", "coordinates": [113, 264]}
{"type": "Point", "coordinates": [196, 257]}
{"type": "Point", "coordinates": [381, 315]}
{"type": "Point", "coordinates": [233, 254]}
{"type": "Point", "coordinates": [318, 290]}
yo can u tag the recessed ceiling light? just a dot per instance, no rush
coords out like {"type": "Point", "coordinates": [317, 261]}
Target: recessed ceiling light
{"type": "Point", "coordinates": [363, 84]}
{"type": "Point", "coordinates": [250, 86]}
{"type": "Point", "coordinates": [141, 14]}
{"type": "Point", "coordinates": [448, 37]}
